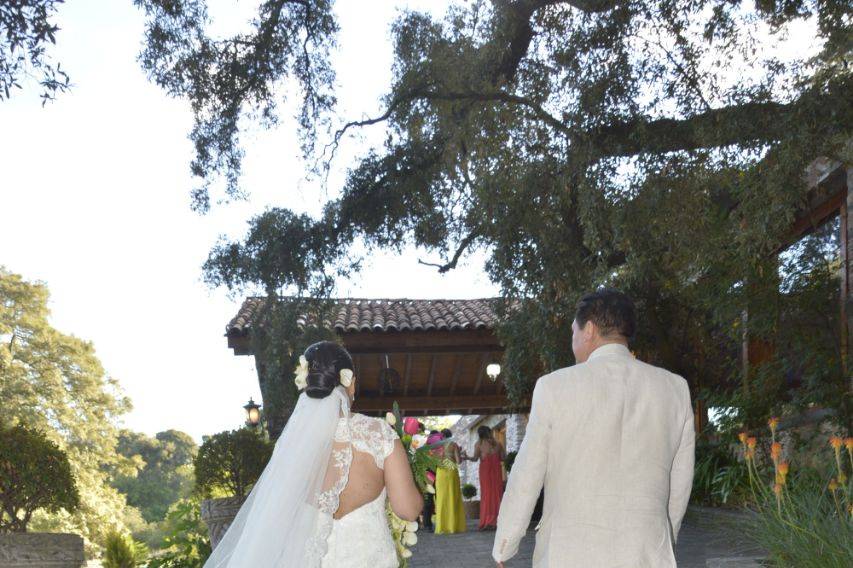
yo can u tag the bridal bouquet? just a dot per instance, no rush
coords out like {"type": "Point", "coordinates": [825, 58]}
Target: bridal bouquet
{"type": "Point", "coordinates": [423, 465]}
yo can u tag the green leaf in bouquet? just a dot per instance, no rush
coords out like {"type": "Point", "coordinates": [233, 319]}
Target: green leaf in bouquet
{"type": "Point", "coordinates": [398, 423]}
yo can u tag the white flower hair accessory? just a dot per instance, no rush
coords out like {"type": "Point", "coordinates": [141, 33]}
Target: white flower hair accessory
{"type": "Point", "coordinates": [346, 377]}
{"type": "Point", "coordinates": [301, 379]}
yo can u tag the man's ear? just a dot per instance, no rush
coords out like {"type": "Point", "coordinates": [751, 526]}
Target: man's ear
{"type": "Point", "coordinates": [590, 330]}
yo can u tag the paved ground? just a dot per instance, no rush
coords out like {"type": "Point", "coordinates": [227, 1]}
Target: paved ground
{"type": "Point", "coordinates": [705, 536]}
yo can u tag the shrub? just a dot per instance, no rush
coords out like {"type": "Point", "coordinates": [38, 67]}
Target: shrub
{"type": "Point", "coordinates": [229, 463]}
{"type": "Point", "coordinates": [469, 491]}
{"type": "Point", "coordinates": [34, 474]}
{"type": "Point", "coordinates": [121, 551]}
{"type": "Point", "coordinates": [719, 477]}
{"type": "Point", "coordinates": [803, 522]}
{"type": "Point", "coordinates": [186, 544]}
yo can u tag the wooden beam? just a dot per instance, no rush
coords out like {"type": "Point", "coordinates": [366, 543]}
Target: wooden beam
{"type": "Point", "coordinates": [847, 284]}
{"type": "Point", "coordinates": [484, 360]}
{"type": "Point", "coordinates": [824, 202]}
{"type": "Point", "coordinates": [408, 374]}
{"type": "Point", "coordinates": [436, 349]}
{"type": "Point", "coordinates": [382, 365]}
{"type": "Point", "coordinates": [457, 370]}
{"type": "Point", "coordinates": [431, 375]}
{"type": "Point", "coordinates": [814, 218]}
{"type": "Point", "coordinates": [358, 380]}
{"type": "Point", "coordinates": [432, 403]}
{"type": "Point", "coordinates": [241, 344]}
{"type": "Point", "coordinates": [421, 341]}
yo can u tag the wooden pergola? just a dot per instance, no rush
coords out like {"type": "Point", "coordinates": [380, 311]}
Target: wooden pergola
{"type": "Point", "coordinates": [430, 356]}
{"type": "Point", "coordinates": [828, 197]}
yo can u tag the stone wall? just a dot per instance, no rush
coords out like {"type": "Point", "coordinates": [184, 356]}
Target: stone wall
{"type": "Point", "coordinates": [41, 550]}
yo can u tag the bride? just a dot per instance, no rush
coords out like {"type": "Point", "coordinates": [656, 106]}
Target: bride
{"type": "Point", "coordinates": [320, 501]}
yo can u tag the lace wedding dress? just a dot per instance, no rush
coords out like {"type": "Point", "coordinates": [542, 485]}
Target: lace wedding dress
{"type": "Point", "coordinates": [361, 538]}
{"type": "Point", "coordinates": [287, 520]}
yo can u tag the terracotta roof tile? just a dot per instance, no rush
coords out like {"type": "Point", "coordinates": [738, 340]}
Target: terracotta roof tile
{"type": "Point", "coordinates": [381, 315]}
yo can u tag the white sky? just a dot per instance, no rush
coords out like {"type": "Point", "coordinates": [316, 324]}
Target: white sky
{"type": "Point", "coordinates": [94, 201]}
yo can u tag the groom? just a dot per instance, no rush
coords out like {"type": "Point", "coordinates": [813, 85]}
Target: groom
{"type": "Point", "coordinates": [611, 439]}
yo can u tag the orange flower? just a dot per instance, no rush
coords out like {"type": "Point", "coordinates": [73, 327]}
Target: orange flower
{"type": "Point", "coordinates": [775, 450]}
{"type": "Point", "coordinates": [833, 485]}
{"type": "Point", "coordinates": [783, 468]}
{"type": "Point", "coordinates": [751, 442]}
{"type": "Point", "coordinates": [773, 423]}
{"type": "Point", "coordinates": [849, 444]}
{"type": "Point", "coordinates": [777, 489]}
{"type": "Point", "coordinates": [836, 442]}
{"type": "Point", "coordinates": [742, 437]}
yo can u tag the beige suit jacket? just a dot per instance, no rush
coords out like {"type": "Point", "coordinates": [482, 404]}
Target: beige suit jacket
{"type": "Point", "coordinates": [612, 442]}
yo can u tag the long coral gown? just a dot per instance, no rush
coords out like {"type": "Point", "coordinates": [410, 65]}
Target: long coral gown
{"type": "Point", "coordinates": [449, 511]}
{"type": "Point", "coordinates": [491, 489]}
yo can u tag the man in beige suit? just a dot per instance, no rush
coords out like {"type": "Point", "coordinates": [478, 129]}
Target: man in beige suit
{"type": "Point", "coordinates": [611, 439]}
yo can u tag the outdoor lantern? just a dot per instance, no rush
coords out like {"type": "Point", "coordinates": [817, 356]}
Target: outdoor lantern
{"type": "Point", "coordinates": [493, 370]}
{"type": "Point", "coordinates": [253, 413]}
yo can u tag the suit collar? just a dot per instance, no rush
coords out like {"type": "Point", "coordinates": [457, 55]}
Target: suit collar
{"type": "Point", "coordinates": [610, 349]}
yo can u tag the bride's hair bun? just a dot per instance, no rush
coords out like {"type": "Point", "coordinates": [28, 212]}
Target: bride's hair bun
{"type": "Point", "coordinates": [325, 361]}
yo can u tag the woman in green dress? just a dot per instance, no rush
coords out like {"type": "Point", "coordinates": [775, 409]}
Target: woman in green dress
{"type": "Point", "coordinates": [449, 512]}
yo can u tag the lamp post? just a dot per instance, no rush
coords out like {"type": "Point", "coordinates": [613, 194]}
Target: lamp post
{"type": "Point", "coordinates": [493, 370]}
{"type": "Point", "coordinates": [253, 413]}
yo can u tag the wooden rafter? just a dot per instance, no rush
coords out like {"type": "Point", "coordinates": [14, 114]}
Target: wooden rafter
{"type": "Point", "coordinates": [431, 375]}
{"type": "Point", "coordinates": [407, 377]}
{"type": "Point", "coordinates": [457, 370]}
{"type": "Point", "coordinates": [435, 403]}
{"type": "Point", "coordinates": [484, 360]}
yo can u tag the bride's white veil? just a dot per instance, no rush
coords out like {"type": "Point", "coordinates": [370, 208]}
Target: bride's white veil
{"type": "Point", "coordinates": [287, 517]}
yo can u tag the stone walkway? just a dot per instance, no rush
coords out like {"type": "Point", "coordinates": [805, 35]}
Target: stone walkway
{"type": "Point", "coordinates": [706, 541]}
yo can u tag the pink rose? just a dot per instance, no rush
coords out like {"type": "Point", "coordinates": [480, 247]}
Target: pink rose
{"type": "Point", "coordinates": [431, 476]}
{"type": "Point", "coordinates": [410, 426]}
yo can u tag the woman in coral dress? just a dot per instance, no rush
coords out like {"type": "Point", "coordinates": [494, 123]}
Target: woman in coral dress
{"type": "Point", "coordinates": [491, 454]}
{"type": "Point", "coordinates": [449, 511]}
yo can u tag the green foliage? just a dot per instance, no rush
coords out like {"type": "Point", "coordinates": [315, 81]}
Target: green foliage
{"type": "Point", "coordinates": [165, 473]}
{"type": "Point", "coordinates": [26, 33]}
{"type": "Point", "coordinates": [808, 534]}
{"type": "Point", "coordinates": [34, 474]}
{"type": "Point", "coordinates": [229, 463]}
{"type": "Point", "coordinates": [807, 522]}
{"type": "Point", "coordinates": [53, 382]}
{"type": "Point", "coordinates": [581, 143]}
{"type": "Point", "coordinates": [469, 491]}
{"type": "Point", "coordinates": [719, 477]}
{"type": "Point", "coordinates": [289, 39]}
{"type": "Point", "coordinates": [121, 551]}
{"type": "Point", "coordinates": [186, 544]}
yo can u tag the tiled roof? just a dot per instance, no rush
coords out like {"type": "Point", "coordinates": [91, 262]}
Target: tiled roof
{"type": "Point", "coordinates": [353, 315]}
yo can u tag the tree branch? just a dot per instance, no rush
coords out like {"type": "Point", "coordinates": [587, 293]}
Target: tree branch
{"type": "Point", "coordinates": [748, 122]}
{"type": "Point", "coordinates": [463, 246]}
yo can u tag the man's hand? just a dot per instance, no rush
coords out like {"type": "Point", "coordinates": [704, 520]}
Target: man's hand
{"type": "Point", "coordinates": [500, 565]}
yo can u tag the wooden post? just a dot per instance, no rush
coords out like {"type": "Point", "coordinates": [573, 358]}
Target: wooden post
{"type": "Point", "coordinates": [847, 279]}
